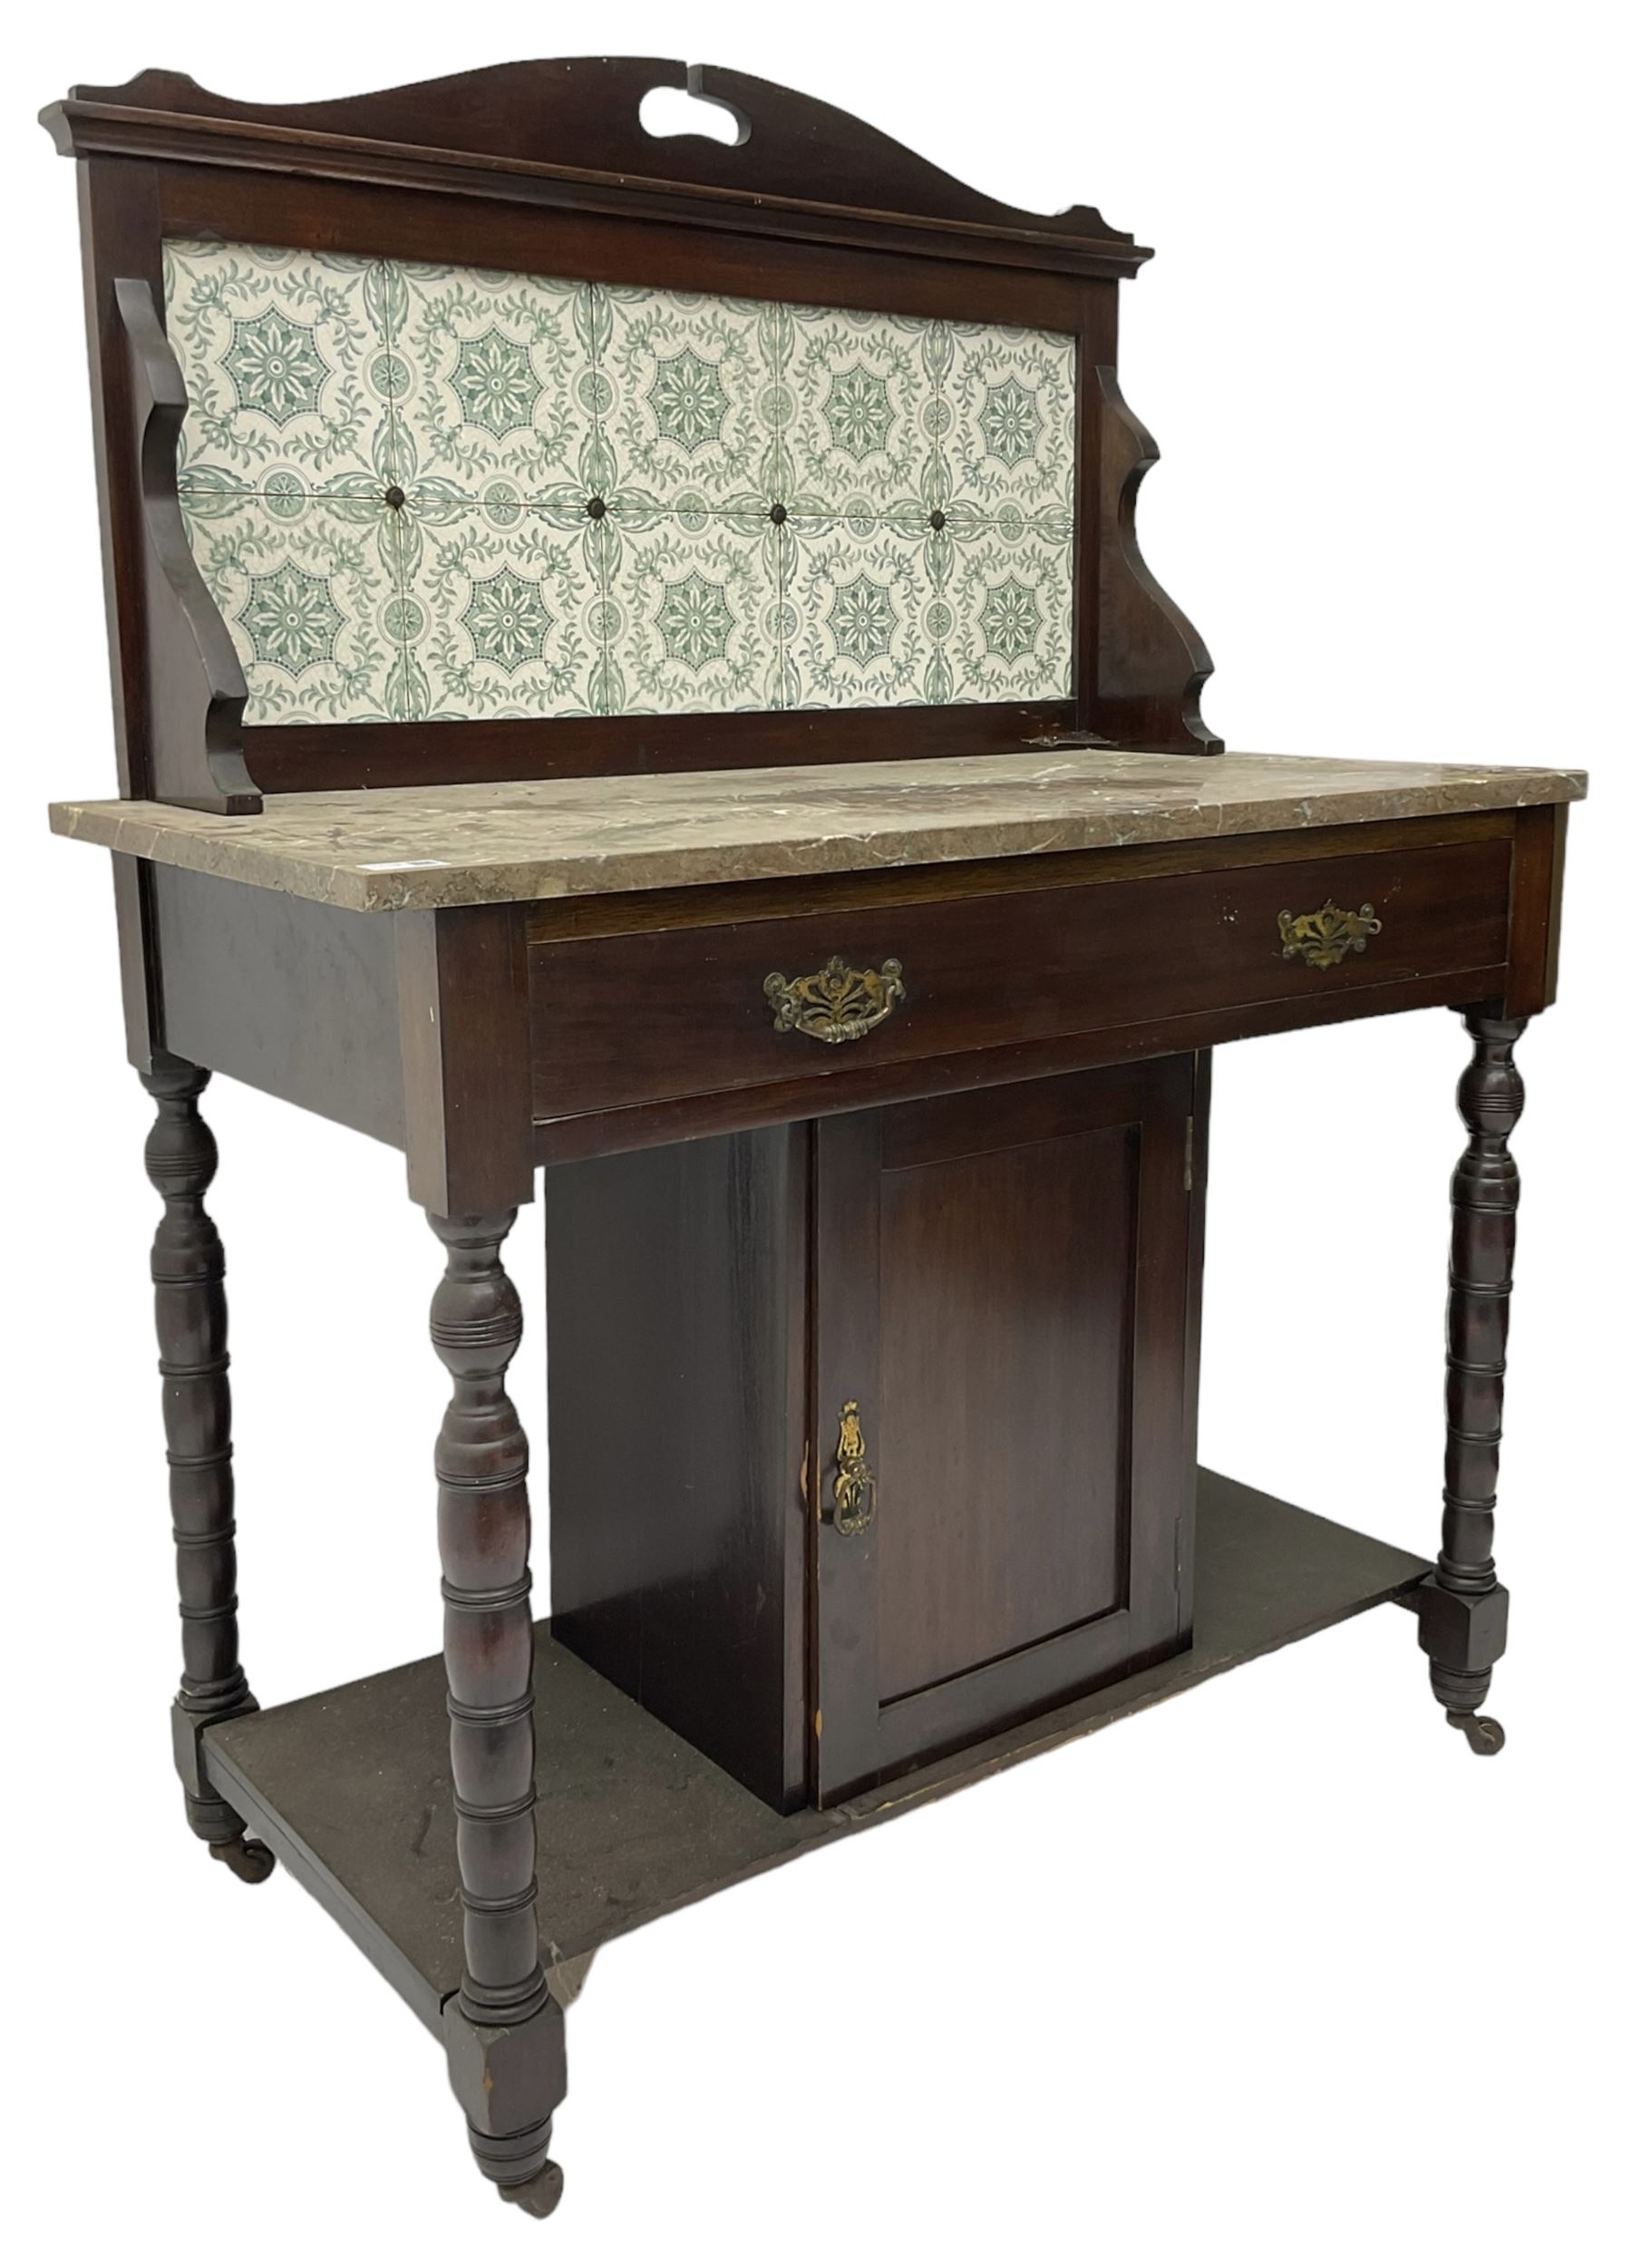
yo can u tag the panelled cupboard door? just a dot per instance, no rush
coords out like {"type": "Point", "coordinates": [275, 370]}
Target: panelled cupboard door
{"type": "Point", "coordinates": [1004, 1408]}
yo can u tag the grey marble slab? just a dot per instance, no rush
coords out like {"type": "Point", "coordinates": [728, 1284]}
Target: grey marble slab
{"type": "Point", "coordinates": [397, 849]}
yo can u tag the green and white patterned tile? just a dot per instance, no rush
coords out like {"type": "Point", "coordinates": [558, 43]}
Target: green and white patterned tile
{"type": "Point", "coordinates": [1007, 630]}
{"type": "Point", "coordinates": [496, 382]}
{"type": "Point", "coordinates": [310, 596]}
{"type": "Point", "coordinates": [500, 614]}
{"type": "Point", "coordinates": [285, 354]}
{"type": "Point", "coordinates": [423, 491]}
{"type": "Point", "coordinates": [863, 413]}
{"type": "Point", "coordinates": [691, 409]}
{"type": "Point", "coordinates": [692, 618]}
{"type": "Point", "coordinates": [1010, 416]}
{"type": "Point", "coordinates": [857, 600]}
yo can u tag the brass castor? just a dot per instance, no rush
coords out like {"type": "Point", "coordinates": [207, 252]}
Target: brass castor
{"type": "Point", "coordinates": [540, 2196]}
{"type": "Point", "coordinates": [249, 1861]}
{"type": "Point", "coordinates": [1484, 1735]}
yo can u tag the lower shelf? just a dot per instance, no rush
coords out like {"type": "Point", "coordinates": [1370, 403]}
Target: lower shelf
{"type": "Point", "coordinates": [350, 1788]}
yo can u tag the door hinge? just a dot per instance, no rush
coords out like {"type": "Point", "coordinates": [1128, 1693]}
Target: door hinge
{"type": "Point", "coordinates": [1190, 1152]}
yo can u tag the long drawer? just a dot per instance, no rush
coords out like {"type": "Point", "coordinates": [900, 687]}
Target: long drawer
{"type": "Point", "coordinates": [662, 1013]}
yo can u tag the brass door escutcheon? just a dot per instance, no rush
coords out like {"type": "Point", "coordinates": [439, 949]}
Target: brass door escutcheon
{"type": "Point", "coordinates": [837, 1003]}
{"type": "Point", "coordinates": [855, 1491]}
{"type": "Point", "coordinates": [1323, 939]}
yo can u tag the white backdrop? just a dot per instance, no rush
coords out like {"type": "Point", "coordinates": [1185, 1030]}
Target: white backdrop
{"type": "Point", "coordinates": [1280, 1972]}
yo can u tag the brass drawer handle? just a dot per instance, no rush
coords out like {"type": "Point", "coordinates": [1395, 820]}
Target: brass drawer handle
{"type": "Point", "coordinates": [855, 1491]}
{"type": "Point", "coordinates": [1323, 939]}
{"type": "Point", "coordinates": [837, 1003]}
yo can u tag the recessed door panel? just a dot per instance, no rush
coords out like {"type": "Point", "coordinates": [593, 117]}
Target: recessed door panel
{"type": "Point", "coordinates": [1003, 1408]}
{"type": "Point", "coordinates": [1005, 1287]}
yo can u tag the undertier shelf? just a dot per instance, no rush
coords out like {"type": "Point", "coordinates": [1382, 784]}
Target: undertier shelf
{"type": "Point", "coordinates": [350, 1787]}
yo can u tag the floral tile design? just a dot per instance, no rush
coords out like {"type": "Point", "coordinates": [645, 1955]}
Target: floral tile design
{"type": "Point", "coordinates": [1010, 421]}
{"type": "Point", "coordinates": [288, 363]}
{"type": "Point", "coordinates": [692, 620]}
{"type": "Point", "coordinates": [495, 380]}
{"type": "Point", "coordinates": [859, 600]}
{"type": "Point", "coordinates": [500, 615]}
{"type": "Point", "coordinates": [510, 495]}
{"type": "Point", "coordinates": [884, 611]}
{"type": "Point", "coordinates": [309, 594]}
{"type": "Point", "coordinates": [864, 413]}
{"type": "Point", "coordinates": [1008, 595]}
{"type": "Point", "coordinates": [686, 387]}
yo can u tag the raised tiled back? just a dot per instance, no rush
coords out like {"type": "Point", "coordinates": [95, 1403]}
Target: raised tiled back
{"type": "Point", "coordinates": [422, 492]}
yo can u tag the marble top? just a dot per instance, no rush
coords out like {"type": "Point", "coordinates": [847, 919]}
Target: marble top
{"type": "Point", "coordinates": [395, 849]}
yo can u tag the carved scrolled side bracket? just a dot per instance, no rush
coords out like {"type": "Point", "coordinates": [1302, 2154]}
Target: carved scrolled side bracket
{"type": "Point", "coordinates": [1152, 665]}
{"type": "Point", "coordinates": [195, 683]}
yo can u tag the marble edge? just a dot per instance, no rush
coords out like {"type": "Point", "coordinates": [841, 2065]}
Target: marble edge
{"type": "Point", "coordinates": [115, 826]}
{"type": "Point", "coordinates": [932, 838]}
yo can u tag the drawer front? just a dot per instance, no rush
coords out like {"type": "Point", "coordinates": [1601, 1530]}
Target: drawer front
{"type": "Point", "coordinates": [667, 1013]}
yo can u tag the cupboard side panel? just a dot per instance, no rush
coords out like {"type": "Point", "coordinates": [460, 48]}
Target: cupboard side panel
{"type": "Point", "coordinates": [1196, 1150]}
{"type": "Point", "coordinates": [1161, 1428]}
{"type": "Point", "coordinates": [675, 1317]}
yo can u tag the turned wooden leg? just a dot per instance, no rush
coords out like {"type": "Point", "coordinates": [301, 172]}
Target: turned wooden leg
{"type": "Point", "coordinates": [1462, 1609]}
{"type": "Point", "coordinates": [506, 2044]}
{"type": "Point", "coordinates": [190, 1301]}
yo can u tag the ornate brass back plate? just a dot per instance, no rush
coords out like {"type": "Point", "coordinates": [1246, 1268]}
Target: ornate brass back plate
{"type": "Point", "coordinates": [1323, 939]}
{"type": "Point", "coordinates": [855, 1491]}
{"type": "Point", "coordinates": [837, 1003]}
